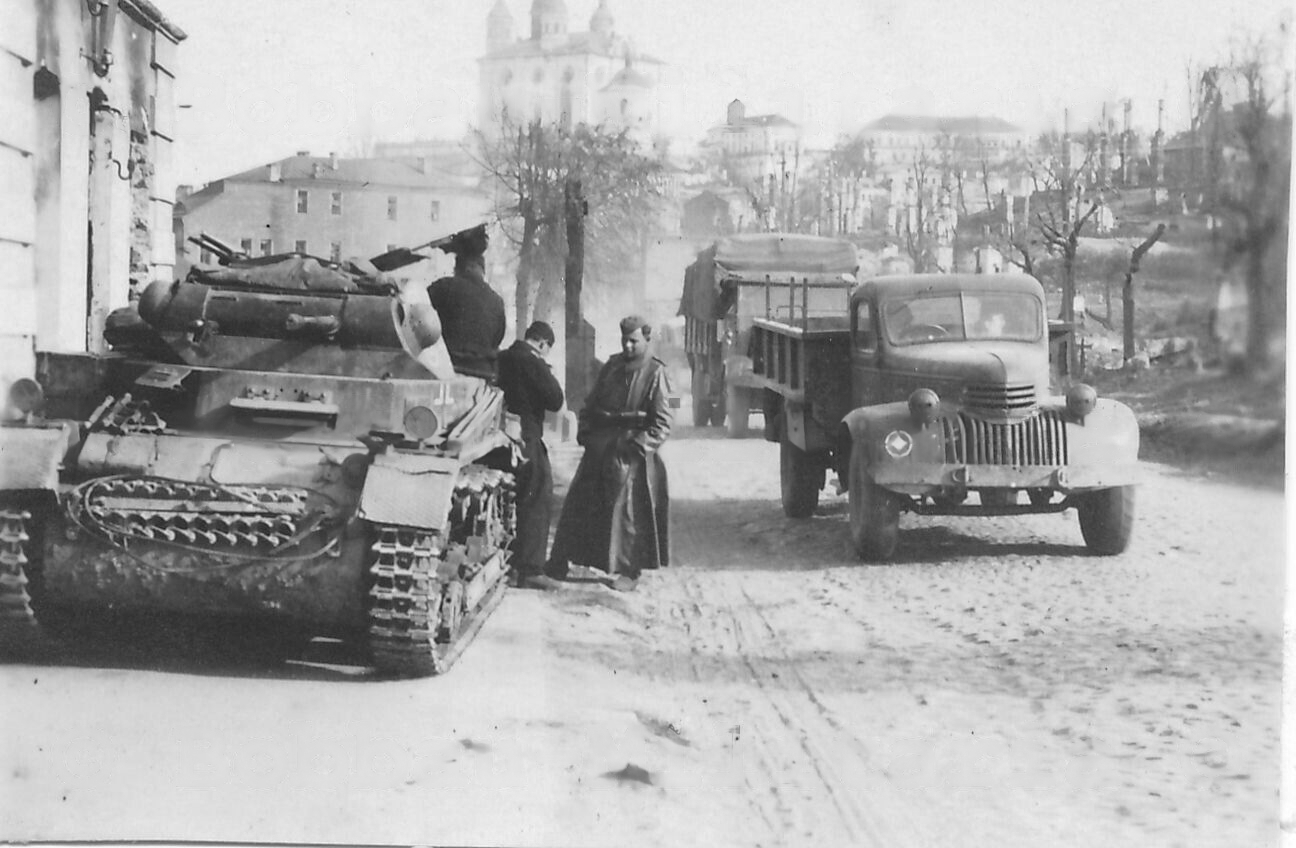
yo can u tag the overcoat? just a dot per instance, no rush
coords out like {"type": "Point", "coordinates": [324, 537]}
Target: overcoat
{"type": "Point", "coordinates": [616, 516]}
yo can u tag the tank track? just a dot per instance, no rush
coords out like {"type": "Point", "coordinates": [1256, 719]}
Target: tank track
{"type": "Point", "coordinates": [432, 592]}
{"type": "Point", "coordinates": [18, 626]}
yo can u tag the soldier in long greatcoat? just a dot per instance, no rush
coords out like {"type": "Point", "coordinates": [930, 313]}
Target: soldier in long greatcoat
{"type": "Point", "coordinates": [616, 516]}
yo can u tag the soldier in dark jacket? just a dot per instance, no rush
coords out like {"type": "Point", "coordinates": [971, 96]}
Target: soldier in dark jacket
{"type": "Point", "coordinates": [472, 313]}
{"type": "Point", "coordinates": [531, 389]}
{"type": "Point", "coordinates": [616, 514]}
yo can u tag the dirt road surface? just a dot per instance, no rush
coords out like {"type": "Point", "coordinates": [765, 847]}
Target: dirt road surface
{"type": "Point", "coordinates": [994, 686]}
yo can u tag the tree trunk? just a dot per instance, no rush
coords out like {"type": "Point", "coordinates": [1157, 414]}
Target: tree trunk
{"type": "Point", "coordinates": [1128, 292]}
{"type": "Point", "coordinates": [523, 296]}
{"type": "Point", "coordinates": [1257, 355]}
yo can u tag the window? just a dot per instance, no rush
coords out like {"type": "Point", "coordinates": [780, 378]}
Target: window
{"type": "Point", "coordinates": [436, 210]}
{"type": "Point", "coordinates": [391, 207]}
{"type": "Point", "coordinates": [303, 201]}
{"type": "Point", "coordinates": [300, 246]}
{"type": "Point", "coordinates": [864, 328]}
{"type": "Point", "coordinates": [267, 247]}
{"type": "Point", "coordinates": [335, 201]}
{"type": "Point", "coordinates": [245, 245]}
{"type": "Point", "coordinates": [335, 251]}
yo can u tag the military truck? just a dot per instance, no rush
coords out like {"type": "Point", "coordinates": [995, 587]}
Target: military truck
{"type": "Point", "coordinates": [266, 441]}
{"type": "Point", "coordinates": [930, 394]}
{"type": "Point", "coordinates": [732, 282]}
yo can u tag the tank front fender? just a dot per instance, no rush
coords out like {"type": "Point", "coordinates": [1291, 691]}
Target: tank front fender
{"type": "Point", "coordinates": [409, 490]}
{"type": "Point", "coordinates": [30, 457]}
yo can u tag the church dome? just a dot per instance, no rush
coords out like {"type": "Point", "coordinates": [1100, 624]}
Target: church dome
{"type": "Point", "coordinates": [499, 26]}
{"type": "Point", "coordinates": [601, 21]}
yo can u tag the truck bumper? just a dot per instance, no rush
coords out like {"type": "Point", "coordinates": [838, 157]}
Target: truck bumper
{"type": "Point", "coordinates": [929, 478]}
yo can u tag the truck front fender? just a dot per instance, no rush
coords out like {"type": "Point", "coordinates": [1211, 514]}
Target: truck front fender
{"type": "Point", "coordinates": [864, 429]}
{"type": "Point", "coordinates": [1108, 435]}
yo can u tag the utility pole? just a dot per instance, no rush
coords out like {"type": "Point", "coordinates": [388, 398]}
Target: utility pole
{"type": "Point", "coordinates": [580, 346]}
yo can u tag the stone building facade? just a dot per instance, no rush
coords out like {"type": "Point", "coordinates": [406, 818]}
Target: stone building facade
{"type": "Point", "coordinates": [753, 147]}
{"type": "Point", "coordinates": [331, 208]}
{"type": "Point", "coordinates": [86, 176]}
{"type": "Point", "coordinates": [556, 75]}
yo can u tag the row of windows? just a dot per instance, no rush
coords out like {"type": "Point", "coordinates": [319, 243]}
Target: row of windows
{"type": "Point", "coordinates": [335, 205]}
{"type": "Point", "coordinates": [265, 247]}
{"type": "Point", "coordinates": [538, 75]}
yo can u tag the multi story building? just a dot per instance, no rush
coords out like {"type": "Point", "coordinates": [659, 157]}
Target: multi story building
{"type": "Point", "coordinates": [86, 180]}
{"type": "Point", "coordinates": [554, 75]}
{"type": "Point", "coordinates": [331, 208]}
{"type": "Point", "coordinates": [898, 140]}
{"type": "Point", "coordinates": [754, 147]}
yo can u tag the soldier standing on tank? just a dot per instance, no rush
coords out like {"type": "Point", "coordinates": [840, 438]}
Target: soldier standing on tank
{"type": "Point", "coordinates": [530, 390]}
{"type": "Point", "coordinates": [472, 313]}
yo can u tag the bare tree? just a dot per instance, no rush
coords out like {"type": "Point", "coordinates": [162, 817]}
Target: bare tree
{"type": "Point", "coordinates": [1059, 197]}
{"type": "Point", "coordinates": [916, 235]}
{"type": "Point", "coordinates": [1253, 189]}
{"type": "Point", "coordinates": [532, 168]}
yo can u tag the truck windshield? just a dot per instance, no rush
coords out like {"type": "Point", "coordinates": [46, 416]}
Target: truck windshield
{"type": "Point", "coordinates": [961, 316]}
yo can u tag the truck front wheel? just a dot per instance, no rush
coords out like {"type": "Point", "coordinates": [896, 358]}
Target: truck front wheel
{"type": "Point", "coordinates": [1107, 519]}
{"type": "Point", "coordinates": [801, 477]}
{"type": "Point", "coordinates": [874, 516]}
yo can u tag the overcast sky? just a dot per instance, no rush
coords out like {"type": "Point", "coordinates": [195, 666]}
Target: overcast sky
{"type": "Point", "coordinates": [264, 78]}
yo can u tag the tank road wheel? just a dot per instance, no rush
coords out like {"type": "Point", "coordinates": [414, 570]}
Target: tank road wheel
{"type": "Point", "coordinates": [874, 516]}
{"type": "Point", "coordinates": [737, 408]}
{"type": "Point", "coordinates": [1107, 519]}
{"type": "Point", "coordinates": [801, 477]}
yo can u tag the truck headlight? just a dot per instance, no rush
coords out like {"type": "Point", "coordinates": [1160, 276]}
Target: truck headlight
{"type": "Point", "coordinates": [924, 406]}
{"type": "Point", "coordinates": [1080, 401]}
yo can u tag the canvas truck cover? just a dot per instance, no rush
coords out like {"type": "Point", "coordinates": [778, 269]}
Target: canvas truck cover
{"type": "Point", "coordinates": [752, 256]}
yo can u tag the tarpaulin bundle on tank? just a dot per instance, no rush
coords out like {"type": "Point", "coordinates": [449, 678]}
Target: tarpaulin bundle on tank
{"type": "Point", "coordinates": [291, 271]}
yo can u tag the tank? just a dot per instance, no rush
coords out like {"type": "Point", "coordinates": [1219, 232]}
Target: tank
{"type": "Point", "coordinates": [272, 440]}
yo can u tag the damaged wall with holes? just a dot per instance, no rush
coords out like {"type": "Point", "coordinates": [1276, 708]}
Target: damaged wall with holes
{"type": "Point", "coordinates": [86, 150]}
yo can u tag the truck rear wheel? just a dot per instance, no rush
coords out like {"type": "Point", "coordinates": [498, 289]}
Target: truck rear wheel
{"type": "Point", "coordinates": [701, 410]}
{"type": "Point", "coordinates": [703, 406]}
{"type": "Point", "coordinates": [737, 409]}
{"type": "Point", "coordinates": [800, 477]}
{"type": "Point", "coordinates": [1107, 519]}
{"type": "Point", "coordinates": [874, 516]}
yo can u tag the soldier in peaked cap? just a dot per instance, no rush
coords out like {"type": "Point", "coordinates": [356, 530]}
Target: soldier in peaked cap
{"type": "Point", "coordinates": [472, 313]}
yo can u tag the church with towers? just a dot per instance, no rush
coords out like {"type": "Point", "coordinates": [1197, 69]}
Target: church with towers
{"type": "Point", "coordinates": [553, 74]}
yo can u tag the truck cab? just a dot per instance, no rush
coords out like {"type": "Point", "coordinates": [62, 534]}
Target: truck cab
{"type": "Point", "coordinates": [932, 395]}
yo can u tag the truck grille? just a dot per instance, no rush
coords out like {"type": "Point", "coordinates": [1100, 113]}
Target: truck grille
{"type": "Point", "coordinates": [1002, 399]}
{"type": "Point", "coordinates": [1039, 440]}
